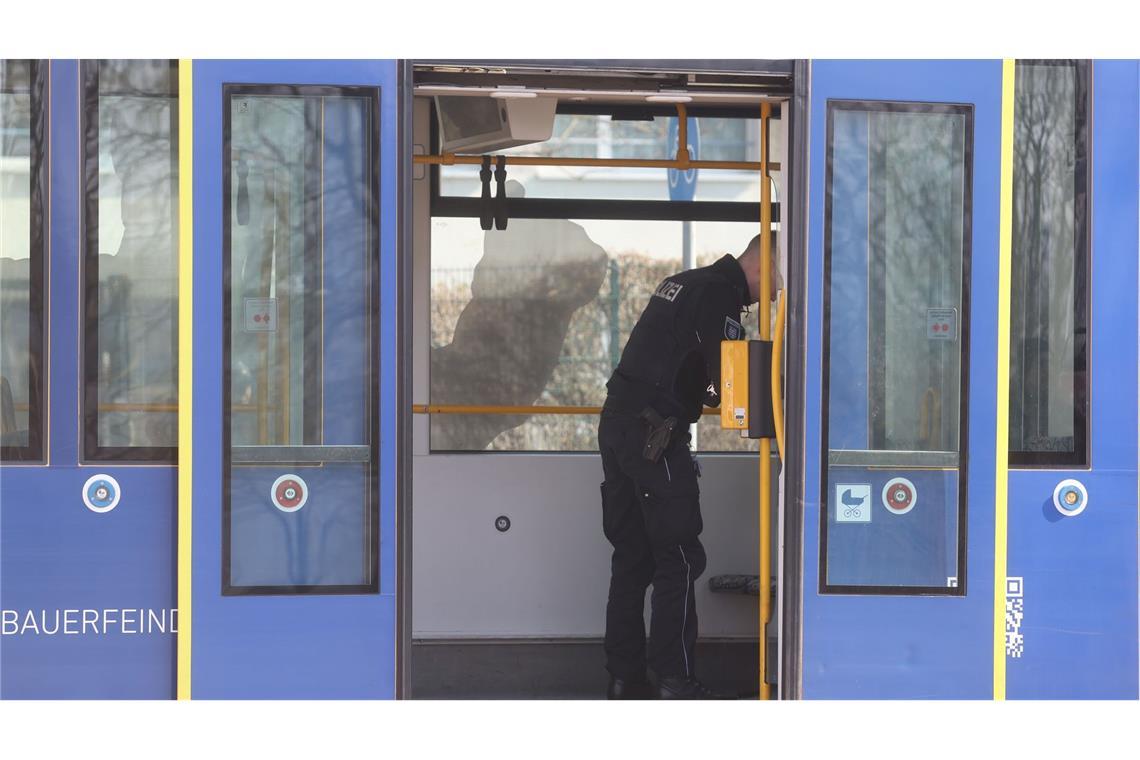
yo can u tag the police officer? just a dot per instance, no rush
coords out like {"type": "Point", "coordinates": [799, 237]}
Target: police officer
{"type": "Point", "coordinates": [650, 499]}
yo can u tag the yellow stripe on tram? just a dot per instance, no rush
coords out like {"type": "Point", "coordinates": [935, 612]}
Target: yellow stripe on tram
{"type": "Point", "coordinates": [185, 367]}
{"type": "Point", "coordinates": [1001, 490]}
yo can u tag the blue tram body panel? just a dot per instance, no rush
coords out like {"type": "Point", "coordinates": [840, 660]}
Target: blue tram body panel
{"type": "Point", "coordinates": [892, 646]}
{"type": "Point", "coordinates": [289, 646]}
{"type": "Point", "coordinates": [93, 593]}
{"type": "Point", "coordinates": [88, 598]}
{"type": "Point", "coordinates": [1078, 573]}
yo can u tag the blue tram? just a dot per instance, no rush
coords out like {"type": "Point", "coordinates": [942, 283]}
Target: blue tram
{"type": "Point", "coordinates": [300, 361]}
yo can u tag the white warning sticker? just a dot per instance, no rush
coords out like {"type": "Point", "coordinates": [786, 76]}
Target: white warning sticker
{"type": "Point", "coordinates": [942, 324]}
{"type": "Point", "coordinates": [260, 314]}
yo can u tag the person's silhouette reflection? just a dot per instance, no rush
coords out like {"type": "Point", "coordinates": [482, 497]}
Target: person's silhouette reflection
{"type": "Point", "coordinates": [137, 283]}
{"type": "Point", "coordinates": [531, 279]}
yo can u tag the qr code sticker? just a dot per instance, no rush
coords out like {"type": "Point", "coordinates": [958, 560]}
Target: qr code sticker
{"type": "Point", "coordinates": [1014, 615]}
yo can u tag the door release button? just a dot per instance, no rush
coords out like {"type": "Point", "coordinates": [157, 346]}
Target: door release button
{"type": "Point", "coordinates": [1070, 497]}
{"type": "Point", "coordinates": [289, 493]}
{"type": "Point", "coordinates": [101, 493]}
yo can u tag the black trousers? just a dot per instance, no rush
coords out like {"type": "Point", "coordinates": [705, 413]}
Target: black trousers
{"type": "Point", "coordinates": [651, 514]}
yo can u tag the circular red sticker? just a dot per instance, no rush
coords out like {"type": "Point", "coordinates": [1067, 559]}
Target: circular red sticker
{"type": "Point", "coordinates": [289, 493]}
{"type": "Point", "coordinates": [899, 496]}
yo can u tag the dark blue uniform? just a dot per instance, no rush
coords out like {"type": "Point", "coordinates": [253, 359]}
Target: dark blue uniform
{"type": "Point", "coordinates": [650, 508]}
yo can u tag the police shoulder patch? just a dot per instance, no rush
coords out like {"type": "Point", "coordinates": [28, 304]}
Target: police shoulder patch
{"type": "Point", "coordinates": [668, 290]}
{"type": "Point", "coordinates": [732, 329]}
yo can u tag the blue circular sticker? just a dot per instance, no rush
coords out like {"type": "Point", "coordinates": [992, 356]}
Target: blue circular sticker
{"type": "Point", "coordinates": [101, 493]}
{"type": "Point", "coordinates": [1070, 497]}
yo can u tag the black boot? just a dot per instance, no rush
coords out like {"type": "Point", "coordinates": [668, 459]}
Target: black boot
{"type": "Point", "coordinates": [681, 687]}
{"type": "Point", "coordinates": [622, 688]}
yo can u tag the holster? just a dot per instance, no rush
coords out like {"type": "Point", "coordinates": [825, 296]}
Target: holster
{"type": "Point", "coordinates": [658, 433]}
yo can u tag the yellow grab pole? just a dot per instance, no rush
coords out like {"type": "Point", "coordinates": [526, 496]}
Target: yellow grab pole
{"type": "Point", "coordinates": [682, 134]}
{"type": "Point", "coordinates": [765, 315]}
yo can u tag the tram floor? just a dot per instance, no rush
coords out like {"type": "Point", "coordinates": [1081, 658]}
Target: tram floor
{"type": "Point", "coordinates": [559, 668]}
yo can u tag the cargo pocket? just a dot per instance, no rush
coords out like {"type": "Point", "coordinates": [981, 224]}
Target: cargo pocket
{"type": "Point", "coordinates": [672, 514]}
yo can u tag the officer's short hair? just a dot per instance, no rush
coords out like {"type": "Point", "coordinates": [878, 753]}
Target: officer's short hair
{"type": "Point", "coordinates": [754, 243]}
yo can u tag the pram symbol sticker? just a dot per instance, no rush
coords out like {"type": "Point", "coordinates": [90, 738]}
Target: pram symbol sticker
{"type": "Point", "coordinates": [853, 502]}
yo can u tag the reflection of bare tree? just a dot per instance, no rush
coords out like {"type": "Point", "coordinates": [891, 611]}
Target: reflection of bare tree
{"type": "Point", "coordinates": [532, 278]}
{"type": "Point", "coordinates": [897, 243]}
{"type": "Point", "coordinates": [917, 229]}
{"type": "Point", "coordinates": [1045, 343]}
{"type": "Point", "coordinates": [137, 278]}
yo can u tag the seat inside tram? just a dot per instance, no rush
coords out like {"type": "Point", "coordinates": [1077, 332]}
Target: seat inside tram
{"type": "Point", "coordinates": [547, 207]}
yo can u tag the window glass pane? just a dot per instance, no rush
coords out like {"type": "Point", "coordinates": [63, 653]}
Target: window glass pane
{"type": "Point", "coordinates": [582, 136]}
{"type": "Point", "coordinates": [896, 247]}
{"type": "Point", "coordinates": [1048, 329]}
{"type": "Point", "coordinates": [21, 258]}
{"type": "Point", "coordinates": [301, 288]}
{"type": "Point", "coordinates": [539, 314]}
{"type": "Point", "coordinates": [131, 163]}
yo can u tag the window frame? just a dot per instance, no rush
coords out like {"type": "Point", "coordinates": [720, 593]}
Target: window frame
{"type": "Point", "coordinates": [1081, 455]}
{"type": "Point", "coordinates": [896, 106]}
{"type": "Point", "coordinates": [35, 452]}
{"type": "Point", "coordinates": [92, 450]}
{"type": "Point", "coordinates": [371, 534]}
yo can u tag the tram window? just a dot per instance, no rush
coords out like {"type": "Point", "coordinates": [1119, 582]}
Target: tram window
{"type": "Point", "coordinates": [1048, 423]}
{"type": "Point", "coordinates": [539, 313]}
{"type": "Point", "coordinates": [301, 286]}
{"type": "Point", "coordinates": [23, 182]}
{"type": "Point", "coordinates": [130, 215]}
{"type": "Point", "coordinates": [896, 248]}
{"type": "Point", "coordinates": [646, 137]}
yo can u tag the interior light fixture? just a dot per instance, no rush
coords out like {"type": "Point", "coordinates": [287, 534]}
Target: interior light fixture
{"type": "Point", "coordinates": [513, 94]}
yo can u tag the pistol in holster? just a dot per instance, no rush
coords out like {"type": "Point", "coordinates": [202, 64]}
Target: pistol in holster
{"type": "Point", "coordinates": [658, 434]}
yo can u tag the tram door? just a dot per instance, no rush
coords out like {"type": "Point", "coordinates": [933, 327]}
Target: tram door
{"type": "Point", "coordinates": [903, 251]}
{"type": "Point", "coordinates": [1071, 609]}
{"type": "Point", "coordinates": [293, 365]}
{"type": "Point", "coordinates": [88, 378]}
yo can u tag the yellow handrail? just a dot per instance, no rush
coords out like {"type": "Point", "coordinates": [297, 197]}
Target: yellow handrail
{"type": "Point", "coordinates": [777, 386]}
{"type": "Point", "coordinates": [491, 409]}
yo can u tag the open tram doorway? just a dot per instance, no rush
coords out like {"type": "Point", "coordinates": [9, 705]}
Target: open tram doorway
{"type": "Point", "coordinates": [523, 290]}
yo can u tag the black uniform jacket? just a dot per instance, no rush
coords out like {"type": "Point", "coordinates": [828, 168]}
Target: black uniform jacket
{"type": "Point", "coordinates": [672, 359]}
